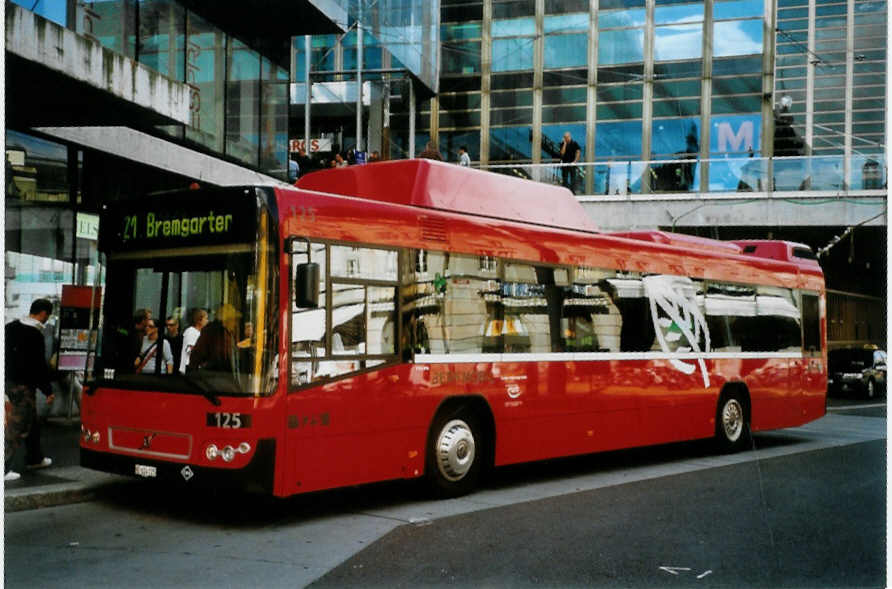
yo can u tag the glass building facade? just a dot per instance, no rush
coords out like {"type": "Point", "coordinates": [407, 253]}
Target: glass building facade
{"type": "Point", "coordinates": [384, 45]}
{"type": "Point", "coordinates": [54, 190]}
{"type": "Point", "coordinates": [832, 73]}
{"type": "Point", "coordinates": [238, 98]}
{"type": "Point", "coordinates": [631, 80]}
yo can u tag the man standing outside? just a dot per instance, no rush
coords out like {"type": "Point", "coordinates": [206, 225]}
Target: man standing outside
{"type": "Point", "coordinates": [570, 152]}
{"type": "Point", "coordinates": [26, 371]}
{"type": "Point", "coordinates": [464, 159]}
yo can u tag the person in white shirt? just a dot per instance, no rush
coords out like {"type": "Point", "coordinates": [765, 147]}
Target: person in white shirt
{"type": "Point", "coordinates": [190, 336]}
{"type": "Point", "coordinates": [463, 158]}
{"type": "Point", "coordinates": [148, 355]}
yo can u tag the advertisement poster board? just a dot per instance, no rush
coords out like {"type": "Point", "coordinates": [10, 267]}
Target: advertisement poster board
{"type": "Point", "coordinates": [77, 331]}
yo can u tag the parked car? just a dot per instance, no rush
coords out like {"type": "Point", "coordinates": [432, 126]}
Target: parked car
{"type": "Point", "coordinates": [857, 370]}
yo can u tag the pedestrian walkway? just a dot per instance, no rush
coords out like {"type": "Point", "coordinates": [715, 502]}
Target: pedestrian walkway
{"type": "Point", "coordinates": [63, 482]}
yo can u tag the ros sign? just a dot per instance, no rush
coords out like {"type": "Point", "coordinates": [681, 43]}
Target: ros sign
{"type": "Point", "coordinates": [316, 144]}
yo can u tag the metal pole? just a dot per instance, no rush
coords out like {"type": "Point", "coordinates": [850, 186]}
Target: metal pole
{"type": "Point", "coordinates": [359, 83]}
{"type": "Point", "coordinates": [307, 47]}
{"type": "Point", "coordinates": [411, 118]}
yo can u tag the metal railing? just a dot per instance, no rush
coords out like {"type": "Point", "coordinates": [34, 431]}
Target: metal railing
{"type": "Point", "coordinates": [716, 175]}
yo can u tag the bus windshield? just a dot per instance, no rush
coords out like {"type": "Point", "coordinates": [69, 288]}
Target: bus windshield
{"type": "Point", "coordinates": [190, 294]}
{"type": "Point", "coordinates": [192, 322]}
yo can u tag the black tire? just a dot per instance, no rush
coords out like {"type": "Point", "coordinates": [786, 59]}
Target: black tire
{"type": "Point", "coordinates": [732, 422]}
{"type": "Point", "coordinates": [455, 453]}
{"type": "Point", "coordinates": [870, 389]}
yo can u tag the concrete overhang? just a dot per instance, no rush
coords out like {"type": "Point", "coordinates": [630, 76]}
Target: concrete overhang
{"type": "Point", "coordinates": [268, 25]}
{"type": "Point", "coordinates": [751, 209]}
{"type": "Point", "coordinates": [56, 77]}
{"type": "Point", "coordinates": [156, 152]}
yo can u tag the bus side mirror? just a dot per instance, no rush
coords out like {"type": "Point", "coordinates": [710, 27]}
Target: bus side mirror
{"type": "Point", "coordinates": [306, 286]}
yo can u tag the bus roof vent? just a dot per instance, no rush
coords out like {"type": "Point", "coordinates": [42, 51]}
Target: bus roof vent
{"type": "Point", "coordinates": [433, 229]}
{"type": "Point", "coordinates": [448, 187]}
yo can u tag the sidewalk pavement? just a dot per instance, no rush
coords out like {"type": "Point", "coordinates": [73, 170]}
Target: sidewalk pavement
{"type": "Point", "coordinates": [62, 483]}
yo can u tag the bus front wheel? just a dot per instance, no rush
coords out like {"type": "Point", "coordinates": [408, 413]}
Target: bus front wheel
{"type": "Point", "coordinates": [454, 455]}
{"type": "Point", "coordinates": [732, 427]}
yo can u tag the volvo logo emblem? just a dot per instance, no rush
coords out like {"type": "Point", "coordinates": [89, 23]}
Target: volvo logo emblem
{"type": "Point", "coordinates": [187, 473]}
{"type": "Point", "coordinates": [147, 441]}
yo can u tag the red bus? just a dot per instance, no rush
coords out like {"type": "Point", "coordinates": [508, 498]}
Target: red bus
{"type": "Point", "coordinates": [418, 319]}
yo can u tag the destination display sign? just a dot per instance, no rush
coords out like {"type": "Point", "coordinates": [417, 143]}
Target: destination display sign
{"type": "Point", "coordinates": [179, 220]}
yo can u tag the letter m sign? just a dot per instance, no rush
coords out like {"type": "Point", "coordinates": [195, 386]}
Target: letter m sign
{"type": "Point", "coordinates": [729, 141]}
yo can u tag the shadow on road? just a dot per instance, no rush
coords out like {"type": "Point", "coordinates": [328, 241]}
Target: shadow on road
{"type": "Point", "coordinates": [251, 510]}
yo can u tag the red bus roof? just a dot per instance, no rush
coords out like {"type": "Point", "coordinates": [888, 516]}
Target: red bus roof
{"type": "Point", "coordinates": [442, 186]}
{"type": "Point", "coordinates": [682, 240]}
{"type": "Point", "coordinates": [785, 251]}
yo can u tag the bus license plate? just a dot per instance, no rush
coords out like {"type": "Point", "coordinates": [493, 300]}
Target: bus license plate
{"type": "Point", "coordinates": [144, 470]}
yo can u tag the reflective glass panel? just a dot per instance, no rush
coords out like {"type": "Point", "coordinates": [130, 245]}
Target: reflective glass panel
{"type": "Point", "coordinates": [162, 27]}
{"type": "Point", "coordinates": [675, 137]}
{"type": "Point", "coordinates": [609, 19]}
{"type": "Point", "coordinates": [737, 9]}
{"type": "Point", "coordinates": [274, 120]}
{"type": "Point", "coordinates": [565, 23]}
{"type": "Point", "coordinates": [53, 10]}
{"type": "Point", "coordinates": [620, 93]}
{"type": "Point", "coordinates": [563, 95]}
{"type": "Point", "coordinates": [450, 141]}
{"type": "Point", "coordinates": [738, 85]}
{"type": "Point", "coordinates": [509, 99]}
{"type": "Point", "coordinates": [621, 139]}
{"type": "Point", "coordinates": [460, 57]}
{"type": "Point", "coordinates": [678, 42]}
{"type": "Point", "coordinates": [681, 69]}
{"type": "Point", "coordinates": [676, 14]}
{"type": "Point", "coordinates": [557, 114]}
{"type": "Point", "coordinates": [511, 8]}
{"type": "Point", "coordinates": [676, 89]}
{"type": "Point", "coordinates": [742, 37]}
{"type": "Point", "coordinates": [205, 56]}
{"type": "Point", "coordinates": [242, 103]}
{"type": "Point", "coordinates": [457, 31]}
{"type": "Point", "coordinates": [623, 46]}
{"type": "Point", "coordinates": [512, 54]}
{"type": "Point", "coordinates": [565, 6]}
{"type": "Point", "coordinates": [619, 110]}
{"type": "Point", "coordinates": [513, 27]}
{"type": "Point", "coordinates": [510, 116]}
{"type": "Point", "coordinates": [110, 22]}
{"type": "Point", "coordinates": [460, 119]}
{"type": "Point", "coordinates": [670, 108]}
{"type": "Point", "coordinates": [509, 143]}
{"type": "Point", "coordinates": [566, 50]}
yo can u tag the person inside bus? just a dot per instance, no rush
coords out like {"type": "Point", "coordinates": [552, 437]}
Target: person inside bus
{"type": "Point", "coordinates": [128, 342]}
{"type": "Point", "coordinates": [173, 335]}
{"type": "Point", "coordinates": [216, 348]}
{"type": "Point", "coordinates": [246, 347]}
{"type": "Point", "coordinates": [147, 359]}
{"type": "Point", "coordinates": [199, 319]}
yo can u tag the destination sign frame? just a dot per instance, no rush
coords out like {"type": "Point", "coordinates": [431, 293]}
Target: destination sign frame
{"type": "Point", "coordinates": [182, 219]}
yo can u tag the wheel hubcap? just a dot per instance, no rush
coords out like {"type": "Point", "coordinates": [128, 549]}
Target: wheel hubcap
{"type": "Point", "coordinates": [732, 420]}
{"type": "Point", "coordinates": [455, 450]}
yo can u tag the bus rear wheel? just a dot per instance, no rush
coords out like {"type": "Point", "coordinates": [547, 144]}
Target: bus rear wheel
{"type": "Point", "coordinates": [732, 428]}
{"type": "Point", "coordinates": [455, 453]}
